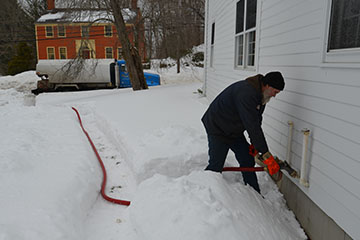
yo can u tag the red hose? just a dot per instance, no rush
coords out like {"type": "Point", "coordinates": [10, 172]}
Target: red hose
{"type": "Point", "coordinates": [107, 198]}
{"type": "Point", "coordinates": [243, 169]}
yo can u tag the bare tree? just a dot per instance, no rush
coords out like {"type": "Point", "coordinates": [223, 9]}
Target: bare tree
{"type": "Point", "coordinates": [131, 53]}
{"type": "Point", "coordinates": [196, 7]}
{"type": "Point", "coordinates": [173, 27]}
{"type": "Point", "coordinates": [34, 8]}
{"type": "Point", "coordinates": [152, 18]}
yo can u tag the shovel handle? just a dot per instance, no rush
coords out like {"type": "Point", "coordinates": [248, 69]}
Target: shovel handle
{"type": "Point", "coordinates": [243, 169]}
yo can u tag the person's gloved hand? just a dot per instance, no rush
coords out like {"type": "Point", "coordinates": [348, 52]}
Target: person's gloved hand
{"type": "Point", "coordinates": [272, 166]}
{"type": "Point", "coordinates": [252, 151]}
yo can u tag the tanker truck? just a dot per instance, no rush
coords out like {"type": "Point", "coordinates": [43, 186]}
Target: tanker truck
{"type": "Point", "coordinates": [85, 74]}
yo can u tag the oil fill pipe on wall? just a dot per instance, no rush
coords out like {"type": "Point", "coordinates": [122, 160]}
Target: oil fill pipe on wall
{"type": "Point", "coordinates": [288, 150]}
{"type": "Point", "coordinates": [103, 185]}
{"type": "Point", "coordinates": [303, 173]}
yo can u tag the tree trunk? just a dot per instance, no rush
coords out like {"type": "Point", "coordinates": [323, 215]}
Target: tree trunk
{"type": "Point", "coordinates": [131, 54]}
{"type": "Point", "coordinates": [178, 65]}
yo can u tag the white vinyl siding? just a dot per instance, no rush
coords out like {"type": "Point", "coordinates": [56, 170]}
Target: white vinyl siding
{"type": "Point", "coordinates": [324, 99]}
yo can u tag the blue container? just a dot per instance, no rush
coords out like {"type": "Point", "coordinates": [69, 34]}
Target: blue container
{"type": "Point", "coordinates": [152, 79]}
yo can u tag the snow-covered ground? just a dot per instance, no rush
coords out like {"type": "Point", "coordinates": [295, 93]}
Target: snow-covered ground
{"type": "Point", "coordinates": [154, 148]}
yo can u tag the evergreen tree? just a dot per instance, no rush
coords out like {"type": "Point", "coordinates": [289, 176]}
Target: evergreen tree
{"type": "Point", "coordinates": [22, 60]}
{"type": "Point", "coordinates": [17, 25]}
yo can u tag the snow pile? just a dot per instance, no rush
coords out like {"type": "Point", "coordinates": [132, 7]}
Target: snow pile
{"type": "Point", "coordinates": [22, 82]}
{"type": "Point", "coordinates": [51, 17]}
{"type": "Point", "coordinates": [48, 183]}
{"type": "Point", "coordinates": [17, 89]}
{"type": "Point", "coordinates": [171, 151]}
{"type": "Point", "coordinates": [189, 74]}
{"type": "Point", "coordinates": [154, 149]}
{"type": "Point", "coordinates": [204, 205]}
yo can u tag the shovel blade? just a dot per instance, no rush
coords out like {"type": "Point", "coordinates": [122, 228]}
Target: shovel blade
{"type": "Point", "coordinates": [283, 166]}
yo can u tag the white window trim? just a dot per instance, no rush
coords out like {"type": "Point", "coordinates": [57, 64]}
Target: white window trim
{"type": "Point", "coordinates": [245, 34]}
{"type": "Point", "coordinates": [340, 58]}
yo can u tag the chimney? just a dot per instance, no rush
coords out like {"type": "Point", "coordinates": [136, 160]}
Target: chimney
{"type": "Point", "coordinates": [50, 4]}
{"type": "Point", "coordinates": [134, 4]}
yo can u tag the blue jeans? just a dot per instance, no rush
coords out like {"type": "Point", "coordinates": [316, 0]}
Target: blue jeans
{"type": "Point", "coordinates": [218, 150]}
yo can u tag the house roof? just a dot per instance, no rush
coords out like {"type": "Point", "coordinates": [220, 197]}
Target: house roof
{"type": "Point", "coordinates": [66, 4]}
{"type": "Point", "coordinates": [65, 16]}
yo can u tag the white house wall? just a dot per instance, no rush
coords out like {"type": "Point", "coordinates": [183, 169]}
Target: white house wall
{"type": "Point", "coordinates": [320, 96]}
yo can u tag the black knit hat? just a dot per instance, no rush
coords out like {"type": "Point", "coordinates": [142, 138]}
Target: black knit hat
{"type": "Point", "coordinates": [275, 80]}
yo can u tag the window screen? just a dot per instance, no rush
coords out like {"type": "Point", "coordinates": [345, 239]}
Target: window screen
{"type": "Point", "coordinates": [240, 16]}
{"type": "Point", "coordinates": [250, 14]}
{"type": "Point", "coordinates": [344, 24]}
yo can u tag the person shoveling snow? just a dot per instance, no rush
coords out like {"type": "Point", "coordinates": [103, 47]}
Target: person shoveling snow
{"type": "Point", "coordinates": [237, 109]}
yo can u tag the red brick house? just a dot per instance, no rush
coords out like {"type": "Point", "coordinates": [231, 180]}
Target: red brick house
{"type": "Point", "coordinates": [65, 33]}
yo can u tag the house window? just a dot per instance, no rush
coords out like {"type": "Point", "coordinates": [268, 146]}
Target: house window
{"type": "Point", "coordinates": [344, 25]}
{"type": "Point", "coordinates": [85, 31]}
{"type": "Point", "coordinates": [50, 52]}
{"type": "Point", "coordinates": [108, 52]}
{"type": "Point", "coordinates": [61, 31]}
{"type": "Point", "coordinates": [212, 45]}
{"type": "Point", "coordinates": [108, 31]}
{"type": "Point", "coordinates": [245, 33]}
{"type": "Point", "coordinates": [120, 53]}
{"type": "Point", "coordinates": [49, 31]}
{"type": "Point", "coordinates": [62, 53]}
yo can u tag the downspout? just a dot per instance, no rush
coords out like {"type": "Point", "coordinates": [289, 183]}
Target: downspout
{"type": "Point", "coordinates": [258, 33]}
{"type": "Point", "coordinates": [288, 152]}
{"type": "Point", "coordinates": [303, 173]}
{"type": "Point", "coordinates": [206, 48]}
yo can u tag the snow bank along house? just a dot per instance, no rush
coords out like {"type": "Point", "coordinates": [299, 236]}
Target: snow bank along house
{"type": "Point", "coordinates": [63, 33]}
{"type": "Point", "coordinates": [315, 121]}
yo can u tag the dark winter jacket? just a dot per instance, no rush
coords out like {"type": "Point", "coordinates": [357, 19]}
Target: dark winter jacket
{"type": "Point", "coordinates": [236, 109]}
